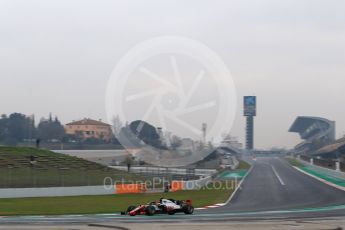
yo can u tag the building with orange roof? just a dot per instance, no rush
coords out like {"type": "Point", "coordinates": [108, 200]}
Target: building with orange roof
{"type": "Point", "coordinates": [88, 128]}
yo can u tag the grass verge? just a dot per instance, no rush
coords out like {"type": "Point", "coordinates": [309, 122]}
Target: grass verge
{"type": "Point", "coordinates": [243, 165]}
{"type": "Point", "coordinates": [323, 175]}
{"type": "Point", "coordinates": [219, 193]}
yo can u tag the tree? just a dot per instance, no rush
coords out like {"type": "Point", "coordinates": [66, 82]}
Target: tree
{"type": "Point", "coordinates": [16, 128]}
{"type": "Point", "coordinates": [117, 126]}
{"type": "Point", "coordinates": [49, 129]}
{"type": "Point", "coordinates": [175, 142]}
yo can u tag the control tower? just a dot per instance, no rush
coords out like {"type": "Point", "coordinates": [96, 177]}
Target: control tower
{"type": "Point", "coordinates": [249, 111]}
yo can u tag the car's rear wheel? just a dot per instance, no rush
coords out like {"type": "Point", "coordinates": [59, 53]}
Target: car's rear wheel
{"type": "Point", "coordinates": [172, 212]}
{"type": "Point", "coordinates": [150, 210]}
{"type": "Point", "coordinates": [188, 209]}
{"type": "Point", "coordinates": [163, 209]}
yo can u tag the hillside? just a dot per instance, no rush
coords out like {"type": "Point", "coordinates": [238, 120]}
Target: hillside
{"type": "Point", "coordinates": [51, 169]}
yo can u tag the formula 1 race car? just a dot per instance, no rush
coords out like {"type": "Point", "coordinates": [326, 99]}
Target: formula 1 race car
{"type": "Point", "coordinates": [164, 206]}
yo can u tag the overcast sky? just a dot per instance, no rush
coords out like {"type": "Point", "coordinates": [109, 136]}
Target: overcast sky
{"type": "Point", "coordinates": [57, 56]}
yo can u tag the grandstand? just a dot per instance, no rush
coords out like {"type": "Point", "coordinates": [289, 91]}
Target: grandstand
{"type": "Point", "coordinates": [315, 132]}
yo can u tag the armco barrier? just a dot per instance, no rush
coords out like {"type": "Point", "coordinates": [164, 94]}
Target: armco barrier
{"type": "Point", "coordinates": [161, 170]}
{"type": "Point", "coordinates": [325, 163]}
{"type": "Point", "coordinates": [55, 191]}
{"type": "Point", "coordinates": [96, 190]}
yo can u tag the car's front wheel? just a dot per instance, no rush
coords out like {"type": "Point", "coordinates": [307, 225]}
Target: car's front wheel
{"type": "Point", "coordinates": [131, 208]}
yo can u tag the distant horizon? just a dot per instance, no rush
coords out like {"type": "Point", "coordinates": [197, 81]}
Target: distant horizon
{"type": "Point", "coordinates": [37, 121]}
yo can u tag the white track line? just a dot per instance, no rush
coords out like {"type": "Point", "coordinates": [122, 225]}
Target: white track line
{"type": "Point", "coordinates": [239, 186]}
{"type": "Point", "coordinates": [232, 195]}
{"type": "Point", "coordinates": [277, 175]}
{"type": "Point", "coordinates": [320, 179]}
{"type": "Point", "coordinates": [221, 204]}
{"type": "Point", "coordinates": [211, 206]}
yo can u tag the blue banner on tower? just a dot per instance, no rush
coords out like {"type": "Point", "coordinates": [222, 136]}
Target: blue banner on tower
{"type": "Point", "coordinates": [250, 106]}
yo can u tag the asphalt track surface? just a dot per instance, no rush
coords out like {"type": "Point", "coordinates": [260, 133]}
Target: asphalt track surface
{"type": "Point", "coordinates": [272, 190]}
{"type": "Point", "coordinates": [274, 185]}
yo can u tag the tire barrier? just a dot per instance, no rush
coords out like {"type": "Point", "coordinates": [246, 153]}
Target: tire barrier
{"type": "Point", "coordinates": [130, 188]}
{"type": "Point", "coordinates": [190, 185]}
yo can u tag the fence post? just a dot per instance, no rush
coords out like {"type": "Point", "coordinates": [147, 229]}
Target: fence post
{"type": "Point", "coordinates": [337, 165]}
{"type": "Point", "coordinates": [311, 161]}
